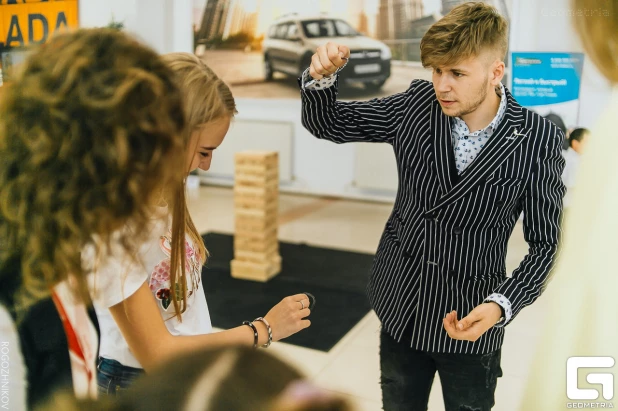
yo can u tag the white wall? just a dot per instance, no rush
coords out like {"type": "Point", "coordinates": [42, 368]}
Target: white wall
{"type": "Point", "coordinates": [165, 25]}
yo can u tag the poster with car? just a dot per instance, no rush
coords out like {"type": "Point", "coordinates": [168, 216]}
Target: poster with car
{"type": "Point", "coordinates": [260, 47]}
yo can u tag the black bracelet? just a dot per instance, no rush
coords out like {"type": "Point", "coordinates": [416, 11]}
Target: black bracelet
{"type": "Point", "coordinates": [255, 332]}
{"type": "Point", "coordinates": [270, 331]}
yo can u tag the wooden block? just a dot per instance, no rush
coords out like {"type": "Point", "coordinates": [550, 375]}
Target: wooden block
{"type": "Point", "coordinates": [263, 171]}
{"type": "Point", "coordinates": [262, 272]}
{"type": "Point", "coordinates": [257, 213]}
{"type": "Point", "coordinates": [256, 163]}
{"type": "Point", "coordinates": [257, 245]}
{"type": "Point", "coordinates": [256, 256]}
{"type": "Point", "coordinates": [255, 202]}
{"type": "Point", "coordinates": [242, 224]}
{"type": "Point", "coordinates": [245, 191]}
{"type": "Point", "coordinates": [247, 180]}
{"type": "Point", "coordinates": [257, 235]}
{"type": "Point", "coordinates": [256, 156]}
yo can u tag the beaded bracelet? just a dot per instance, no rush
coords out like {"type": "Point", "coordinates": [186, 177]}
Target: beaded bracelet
{"type": "Point", "coordinates": [270, 331]}
{"type": "Point", "coordinates": [255, 332]}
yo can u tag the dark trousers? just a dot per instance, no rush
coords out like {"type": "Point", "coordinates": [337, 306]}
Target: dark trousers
{"type": "Point", "coordinates": [468, 380]}
{"type": "Point", "coordinates": [113, 377]}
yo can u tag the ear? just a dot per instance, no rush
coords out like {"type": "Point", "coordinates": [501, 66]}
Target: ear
{"type": "Point", "coordinates": [497, 72]}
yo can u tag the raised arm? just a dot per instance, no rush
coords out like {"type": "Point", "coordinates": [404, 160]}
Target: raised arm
{"type": "Point", "coordinates": [376, 120]}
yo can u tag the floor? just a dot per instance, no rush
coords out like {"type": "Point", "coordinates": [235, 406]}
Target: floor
{"type": "Point", "coordinates": [351, 368]}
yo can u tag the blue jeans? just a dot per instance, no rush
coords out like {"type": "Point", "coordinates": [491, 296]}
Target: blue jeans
{"type": "Point", "coordinates": [468, 380]}
{"type": "Point", "coordinates": [113, 377]}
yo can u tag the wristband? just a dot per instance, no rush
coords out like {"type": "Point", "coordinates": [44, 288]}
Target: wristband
{"type": "Point", "coordinates": [270, 331]}
{"type": "Point", "coordinates": [255, 332]}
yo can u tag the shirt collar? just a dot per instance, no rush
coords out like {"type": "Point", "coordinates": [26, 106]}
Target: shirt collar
{"type": "Point", "coordinates": [460, 127]}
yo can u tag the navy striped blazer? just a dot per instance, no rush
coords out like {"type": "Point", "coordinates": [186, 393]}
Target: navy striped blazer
{"type": "Point", "coordinates": [444, 245]}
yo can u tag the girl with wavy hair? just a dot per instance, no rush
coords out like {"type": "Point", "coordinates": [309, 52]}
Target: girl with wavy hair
{"type": "Point", "coordinates": [91, 132]}
{"type": "Point", "coordinates": [160, 309]}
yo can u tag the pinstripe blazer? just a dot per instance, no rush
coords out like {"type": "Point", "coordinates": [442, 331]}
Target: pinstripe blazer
{"type": "Point", "coordinates": [444, 245]}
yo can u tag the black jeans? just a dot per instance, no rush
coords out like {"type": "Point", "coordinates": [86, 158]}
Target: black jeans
{"type": "Point", "coordinates": [468, 380]}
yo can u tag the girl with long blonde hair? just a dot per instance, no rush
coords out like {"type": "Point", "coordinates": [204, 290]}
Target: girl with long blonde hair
{"type": "Point", "coordinates": [160, 308]}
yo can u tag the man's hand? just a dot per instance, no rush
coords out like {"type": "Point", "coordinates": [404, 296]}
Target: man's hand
{"type": "Point", "coordinates": [470, 328]}
{"type": "Point", "coordinates": [328, 59]}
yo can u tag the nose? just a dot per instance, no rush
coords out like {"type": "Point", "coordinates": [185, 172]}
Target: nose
{"type": "Point", "coordinates": [205, 164]}
{"type": "Point", "coordinates": [442, 84]}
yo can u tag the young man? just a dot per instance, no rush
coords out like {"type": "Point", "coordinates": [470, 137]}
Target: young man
{"type": "Point", "coordinates": [470, 161]}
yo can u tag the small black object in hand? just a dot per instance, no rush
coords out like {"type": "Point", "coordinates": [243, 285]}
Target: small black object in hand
{"type": "Point", "coordinates": [311, 300]}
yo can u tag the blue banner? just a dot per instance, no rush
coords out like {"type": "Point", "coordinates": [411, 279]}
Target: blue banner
{"type": "Point", "coordinates": [541, 79]}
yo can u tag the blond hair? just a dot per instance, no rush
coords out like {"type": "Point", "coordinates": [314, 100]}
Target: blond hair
{"type": "Point", "coordinates": [206, 98]}
{"type": "Point", "coordinates": [90, 130]}
{"type": "Point", "coordinates": [599, 34]}
{"type": "Point", "coordinates": [465, 32]}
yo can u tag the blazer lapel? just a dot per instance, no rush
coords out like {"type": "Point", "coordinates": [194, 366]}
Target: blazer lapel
{"type": "Point", "coordinates": [510, 134]}
{"type": "Point", "coordinates": [444, 157]}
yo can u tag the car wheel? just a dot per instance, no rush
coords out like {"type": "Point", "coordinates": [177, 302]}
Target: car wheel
{"type": "Point", "coordinates": [268, 69]}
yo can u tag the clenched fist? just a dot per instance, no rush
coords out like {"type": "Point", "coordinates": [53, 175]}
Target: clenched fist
{"type": "Point", "coordinates": [328, 59]}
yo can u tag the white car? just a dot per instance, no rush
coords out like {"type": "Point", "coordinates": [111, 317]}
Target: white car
{"type": "Point", "coordinates": [291, 41]}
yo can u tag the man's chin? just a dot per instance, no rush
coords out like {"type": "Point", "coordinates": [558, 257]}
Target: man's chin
{"type": "Point", "coordinates": [450, 111]}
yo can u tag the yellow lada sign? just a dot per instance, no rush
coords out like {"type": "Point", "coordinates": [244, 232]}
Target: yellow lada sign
{"type": "Point", "coordinates": [24, 22]}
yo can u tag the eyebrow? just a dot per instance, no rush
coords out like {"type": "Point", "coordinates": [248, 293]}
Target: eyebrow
{"type": "Point", "coordinates": [209, 148]}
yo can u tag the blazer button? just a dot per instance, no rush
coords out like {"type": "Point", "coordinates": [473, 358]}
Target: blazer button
{"type": "Point", "coordinates": [457, 230]}
{"type": "Point", "coordinates": [500, 203]}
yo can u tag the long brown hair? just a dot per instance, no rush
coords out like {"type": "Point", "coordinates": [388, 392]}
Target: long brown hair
{"type": "Point", "coordinates": [598, 29]}
{"type": "Point", "coordinates": [206, 98]}
{"type": "Point", "coordinates": [90, 130]}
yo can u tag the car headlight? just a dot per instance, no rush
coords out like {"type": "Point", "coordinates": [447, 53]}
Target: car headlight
{"type": "Point", "coordinates": [386, 53]}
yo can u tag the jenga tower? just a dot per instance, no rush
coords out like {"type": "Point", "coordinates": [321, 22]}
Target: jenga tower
{"type": "Point", "coordinates": [256, 207]}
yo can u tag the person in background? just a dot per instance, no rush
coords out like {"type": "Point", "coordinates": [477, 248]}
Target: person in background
{"type": "Point", "coordinates": [581, 321]}
{"type": "Point", "coordinates": [577, 140]}
{"type": "Point", "coordinates": [90, 130]}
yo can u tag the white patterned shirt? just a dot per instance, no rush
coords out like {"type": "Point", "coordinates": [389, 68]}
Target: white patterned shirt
{"type": "Point", "coordinates": [468, 145]}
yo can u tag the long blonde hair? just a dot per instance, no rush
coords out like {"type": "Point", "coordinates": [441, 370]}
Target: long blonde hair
{"type": "Point", "coordinates": [599, 34]}
{"type": "Point", "coordinates": [206, 98]}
